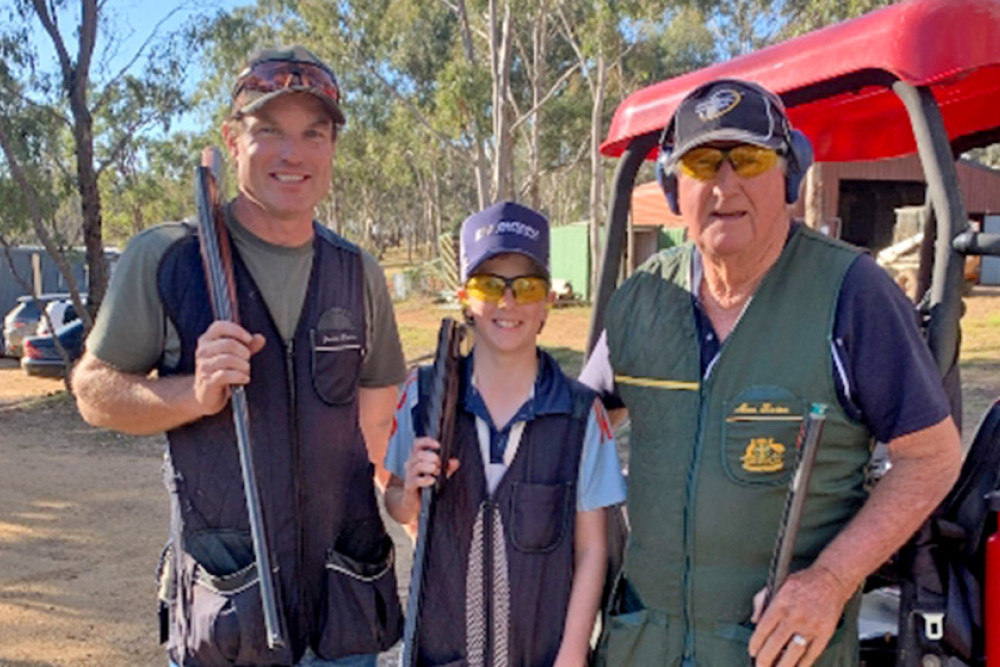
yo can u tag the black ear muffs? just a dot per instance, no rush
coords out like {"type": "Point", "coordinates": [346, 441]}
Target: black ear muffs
{"type": "Point", "coordinates": [799, 159]}
{"type": "Point", "coordinates": [665, 176]}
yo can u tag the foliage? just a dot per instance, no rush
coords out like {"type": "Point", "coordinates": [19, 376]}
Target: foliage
{"type": "Point", "coordinates": [450, 104]}
{"type": "Point", "coordinates": [67, 115]}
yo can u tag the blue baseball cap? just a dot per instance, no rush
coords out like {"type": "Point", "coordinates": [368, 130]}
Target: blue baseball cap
{"type": "Point", "coordinates": [501, 228]}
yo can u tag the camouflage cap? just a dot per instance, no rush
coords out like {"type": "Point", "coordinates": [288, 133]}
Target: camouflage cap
{"type": "Point", "coordinates": [270, 73]}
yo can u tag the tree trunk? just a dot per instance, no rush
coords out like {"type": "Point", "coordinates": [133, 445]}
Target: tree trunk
{"type": "Point", "coordinates": [501, 49]}
{"type": "Point", "coordinates": [37, 222]}
{"type": "Point", "coordinates": [436, 194]}
{"type": "Point", "coordinates": [539, 43]}
{"type": "Point", "coordinates": [90, 203]}
{"type": "Point", "coordinates": [75, 81]}
{"type": "Point", "coordinates": [596, 171]}
{"type": "Point", "coordinates": [480, 168]}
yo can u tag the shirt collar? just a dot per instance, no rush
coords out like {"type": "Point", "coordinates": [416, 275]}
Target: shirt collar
{"type": "Point", "coordinates": [551, 396]}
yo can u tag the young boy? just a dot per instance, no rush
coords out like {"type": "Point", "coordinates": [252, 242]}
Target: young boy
{"type": "Point", "coordinates": [517, 552]}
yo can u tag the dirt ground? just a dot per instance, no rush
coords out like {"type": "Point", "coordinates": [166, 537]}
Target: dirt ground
{"type": "Point", "coordinates": [83, 513]}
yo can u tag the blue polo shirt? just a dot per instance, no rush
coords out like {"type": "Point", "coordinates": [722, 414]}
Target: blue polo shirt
{"type": "Point", "coordinates": [599, 483]}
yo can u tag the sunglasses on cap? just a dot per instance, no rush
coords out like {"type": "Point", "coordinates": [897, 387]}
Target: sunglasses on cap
{"type": "Point", "coordinates": [272, 75]}
{"type": "Point", "coordinates": [703, 163]}
{"type": "Point", "coordinates": [491, 288]}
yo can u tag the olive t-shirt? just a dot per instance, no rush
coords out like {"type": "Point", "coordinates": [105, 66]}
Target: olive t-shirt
{"type": "Point", "coordinates": [132, 333]}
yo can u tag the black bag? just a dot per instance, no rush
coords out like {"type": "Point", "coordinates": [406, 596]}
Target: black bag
{"type": "Point", "coordinates": [942, 569]}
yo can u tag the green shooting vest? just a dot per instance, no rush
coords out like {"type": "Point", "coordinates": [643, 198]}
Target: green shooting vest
{"type": "Point", "coordinates": [711, 458]}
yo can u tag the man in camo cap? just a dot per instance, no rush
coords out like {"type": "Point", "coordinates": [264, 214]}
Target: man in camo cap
{"type": "Point", "coordinates": [318, 352]}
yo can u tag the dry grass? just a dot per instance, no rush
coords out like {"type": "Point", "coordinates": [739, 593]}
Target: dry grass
{"type": "Point", "coordinates": [564, 336]}
{"type": "Point", "coordinates": [979, 362]}
{"type": "Point", "coordinates": [981, 326]}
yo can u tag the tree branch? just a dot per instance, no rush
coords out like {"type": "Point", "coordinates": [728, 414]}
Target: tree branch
{"type": "Point", "coordinates": [103, 99]}
{"type": "Point", "coordinates": [48, 23]}
{"type": "Point", "coordinates": [35, 210]}
{"type": "Point", "coordinates": [552, 91]}
{"type": "Point", "coordinates": [574, 44]}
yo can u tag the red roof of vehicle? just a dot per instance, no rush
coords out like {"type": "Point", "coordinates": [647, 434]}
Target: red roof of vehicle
{"type": "Point", "coordinates": [829, 79]}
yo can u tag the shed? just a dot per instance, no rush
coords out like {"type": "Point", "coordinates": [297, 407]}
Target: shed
{"type": "Point", "coordinates": [33, 265]}
{"type": "Point", "coordinates": [570, 256]}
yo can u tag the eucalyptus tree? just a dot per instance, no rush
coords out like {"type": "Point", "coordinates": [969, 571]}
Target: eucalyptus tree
{"type": "Point", "coordinates": [98, 110]}
{"type": "Point", "coordinates": [742, 26]}
{"type": "Point", "coordinates": [150, 181]}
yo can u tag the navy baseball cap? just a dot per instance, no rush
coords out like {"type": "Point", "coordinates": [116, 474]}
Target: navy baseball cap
{"type": "Point", "coordinates": [501, 228]}
{"type": "Point", "coordinates": [728, 110]}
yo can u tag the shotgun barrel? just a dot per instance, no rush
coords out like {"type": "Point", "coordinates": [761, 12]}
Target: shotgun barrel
{"type": "Point", "coordinates": [440, 425]}
{"type": "Point", "coordinates": [216, 257]}
{"type": "Point", "coordinates": [807, 445]}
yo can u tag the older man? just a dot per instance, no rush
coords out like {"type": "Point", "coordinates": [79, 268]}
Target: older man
{"type": "Point", "coordinates": [320, 358]}
{"type": "Point", "coordinates": [717, 349]}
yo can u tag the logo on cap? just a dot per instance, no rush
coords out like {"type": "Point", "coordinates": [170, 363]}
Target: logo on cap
{"type": "Point", "coordinates": [720, 103]}
{"type": "Point", "coordinates": [507, 227]}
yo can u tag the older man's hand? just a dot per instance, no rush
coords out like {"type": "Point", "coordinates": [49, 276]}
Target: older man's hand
{"type": "Point", "coordinates": [798, 623]}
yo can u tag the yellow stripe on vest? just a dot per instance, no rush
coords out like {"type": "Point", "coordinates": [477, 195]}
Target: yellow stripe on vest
{"type": "Point", "coordinates": [659, 384]}
{"type": "Point", "coordinates": [766, 418]}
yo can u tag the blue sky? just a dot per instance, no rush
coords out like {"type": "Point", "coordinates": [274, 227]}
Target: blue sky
{"type": "Point", "coordinates": [134, 21]}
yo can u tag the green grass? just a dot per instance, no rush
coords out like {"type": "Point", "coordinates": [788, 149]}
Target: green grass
{"type": "Point", "coordinates": [571, 361]}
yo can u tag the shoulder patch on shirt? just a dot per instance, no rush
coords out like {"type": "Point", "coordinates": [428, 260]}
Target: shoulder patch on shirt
{"type": "Point", "coordinates": [603, 421]}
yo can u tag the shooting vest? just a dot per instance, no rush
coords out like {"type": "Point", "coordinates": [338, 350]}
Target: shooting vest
{"type": "Point", "coordinates": [711, 458]}
{"type": "Point", "coordinates": [331, 557]}
{"type": "Point", "coordinates": [500, 567]}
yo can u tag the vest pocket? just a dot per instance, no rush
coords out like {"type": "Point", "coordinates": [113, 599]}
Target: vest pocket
{"type": "Point", "coordinates": [635, 638]}
{"type": "Point", "coordinates": [731, 644]}
{"type": "Point", "coordinates": [361, 612]}
{"type": "Point", "coordinates": [225, 617]}
{"type": "Point", "coordinates": [540, 515]}
{"type": "Point", "coordinates": [632, 634]}
{"type": "Point", "coordinates": [732, 640]}
{"type": "Point", "coordinates": [759, 433]}
{"type": "Point", "coordinates": [336, 365]}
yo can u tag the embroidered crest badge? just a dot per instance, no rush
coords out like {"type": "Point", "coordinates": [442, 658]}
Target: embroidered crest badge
{"type": "Point", "coordinates": [763, 455]}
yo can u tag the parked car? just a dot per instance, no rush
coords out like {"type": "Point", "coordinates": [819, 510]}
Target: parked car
{"type": "Point", "coordinates": [25, 319]}
{"type": "Point", "coordinates": [41, 356]}
{"type": "Point", "coordinates": [60, 312]}
{"type": "Point", "coordinates": [19, 323]}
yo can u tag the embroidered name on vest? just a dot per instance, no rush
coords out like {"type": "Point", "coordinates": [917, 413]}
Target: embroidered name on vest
{"type": "Point", "coordinates": [765, 408]}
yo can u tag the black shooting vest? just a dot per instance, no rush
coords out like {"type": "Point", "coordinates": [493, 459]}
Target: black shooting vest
{"type": "Point", "coordinates": [331, 557]}
{"type": "Point", "coordinates": [499, 569]}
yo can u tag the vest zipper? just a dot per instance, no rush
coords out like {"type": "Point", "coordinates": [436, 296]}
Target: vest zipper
{"type": "Point", "coordinates": [690, 494]}
{"type": "Point", "coordinates": [296, 475]}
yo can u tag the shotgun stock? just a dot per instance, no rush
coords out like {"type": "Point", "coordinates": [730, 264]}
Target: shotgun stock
{"type": "Point", "coordinates": [217, 258]}
{"type": "Point", "coordinates": [440, 425]}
